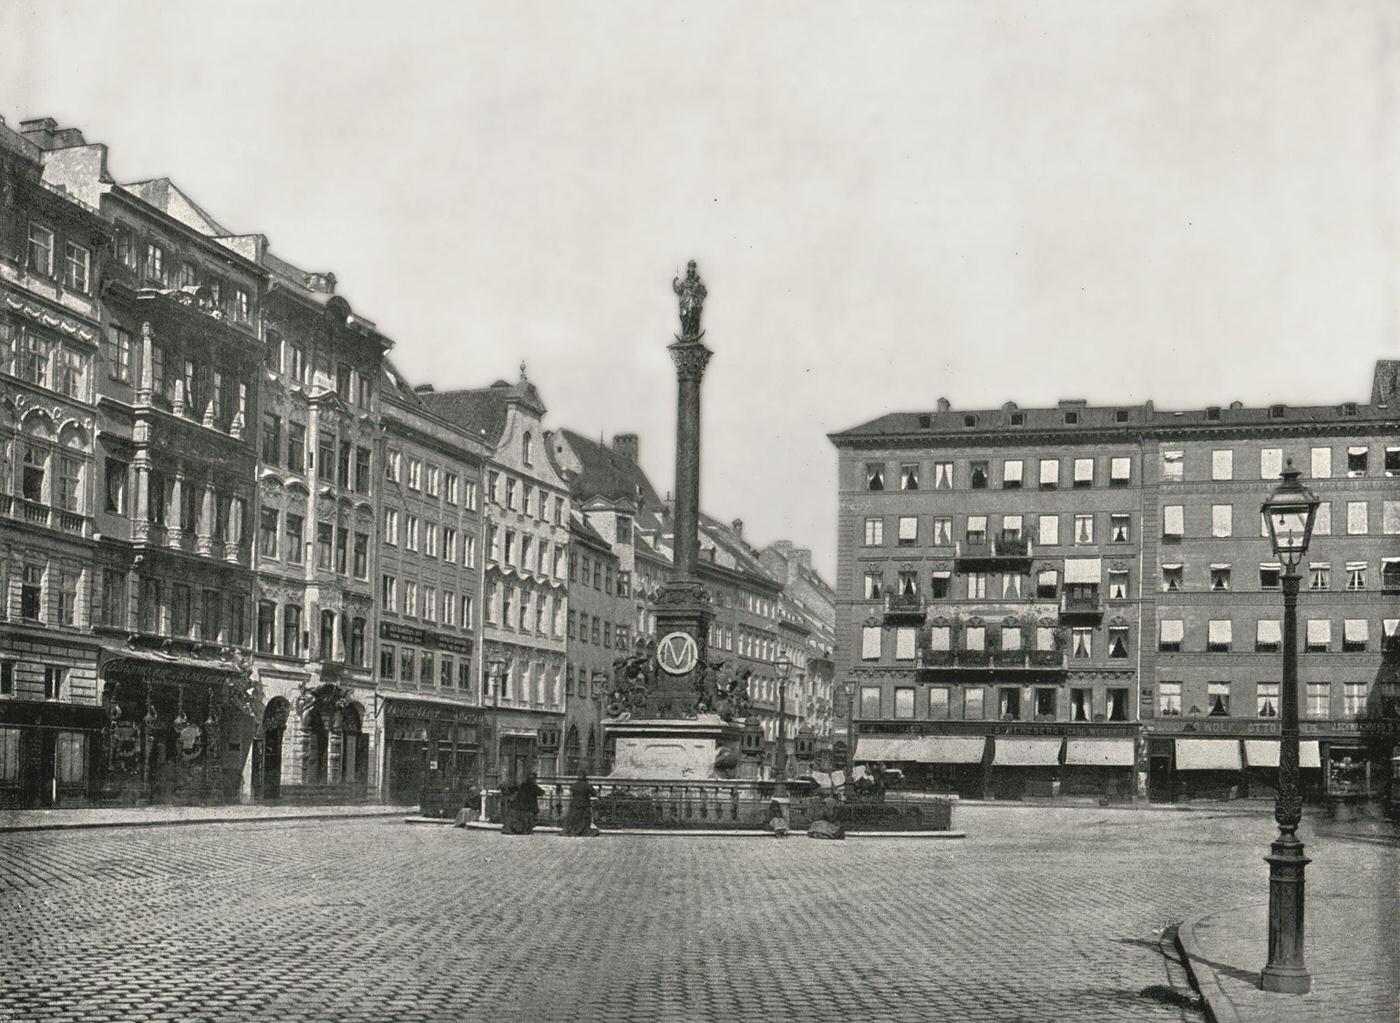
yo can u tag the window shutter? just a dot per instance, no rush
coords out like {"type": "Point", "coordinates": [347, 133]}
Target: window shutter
{"type": "Point", "coordinates": [1269, 630]}
{"type": "Point", "coordinates": [870, 643]}
{"type": "Point", "coordinates": [1221, 519]}
{"type": "Point", "coordinates": [1319, 630]}
{"type": "Point", "coordinates": [1173, 520]}
{"type": "Point", "coordinates": [1049, 471]}
{"type": "Point", "coordinates": [938, 637]}
{"type": "Point", "coordinates": [1356, 630]}
{"type": "Point", "coordinates": [1083, 470]}
{"type": "Point", "coordinates": [909, 528]}
{"type": "Point", "coordinates": [1222, 465]}
{"type": "Point", "coordinates": [1172, 630]}
{"type": "Point", "coordinates": [1270, 463]}
{"type": "Point", "coordinates": [1121, 469]}
{"type": "Point", "coordinates": [1321, 463]}
{"type": "Point", "coordinates": [1219, 630]}
{"type": "Point", "coordinates": [1011, 472]}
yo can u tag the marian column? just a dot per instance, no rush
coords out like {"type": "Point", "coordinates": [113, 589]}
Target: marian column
{"type": "Point", "coordinates": [674, 713]}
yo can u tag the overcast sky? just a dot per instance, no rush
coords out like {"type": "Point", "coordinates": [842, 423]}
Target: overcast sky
{"type": "Point", "coordinates": [889, 203]}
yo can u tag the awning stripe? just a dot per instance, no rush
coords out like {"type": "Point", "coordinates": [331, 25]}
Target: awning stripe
{"type": "Point", "coordinates": [1207, 754]}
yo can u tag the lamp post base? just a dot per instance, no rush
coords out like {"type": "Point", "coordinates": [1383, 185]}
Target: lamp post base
{"type": "Point", "coordinates": [1286, 972]}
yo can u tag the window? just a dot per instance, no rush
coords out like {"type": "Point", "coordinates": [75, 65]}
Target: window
{"type": "Point", "coordinates": [294, 532]}
{"type": "Point", "coordinates": [874, 532]}
{"type": "Point", "coordinates": [1011, 474]}
{"type": "Point", "coordinates": [1120, 472]}
{"type": "Point", "coordinates": [1221, 519]}
{"type": "Point", "coordinates": [1218, 699]}
{"type": "Point", "coordinates": [1219, 577]}
{"type": "Point", "coordinates": [908, 530]}
{"type": "Point", "coordinates": [1270, 463]}
{"type": "Point", "coordinates": [342, 544]}
{"type": "Point", "coordinates": [874, 476]}
{"type": "Point", "coordinates": [272, 439]}
{"type": "Point", "coordinates": [909, 476]}
{"type": "Point", "coordinates": [155, 263]}
{"type": "Point", "coordinates": [1317, 697]}
{"type": "Point", "coordinates": [1009, 704]}
{"type": "Point", "coordinates": [1268, 636]}
{"type": "Point", "coordinates": [389, 593]}
{"type": "Point", "coordinates": [267, 626]}
{"type": "Point", "coordinates": [1082, 642]}
{"type": "Point", "coordinates": [430, 603]}
{"type": "Point", "coordinates": [1356, 518]}
{"type": "Point", "coordinates": [1011, 586]}
{"type": "Point", "coordinates": [415, 475]}
{"type": "Point", "coordinates": [434, 481]}
{"type": "Point", "coordinates": [1171, 578]}
{"type": "Point", "coordinates": [1173, 463]}
{"type": "Point", "coordinates": [1356, 575]}
{"type": "Point", "coordinates": [874, 585]}
{"type": "Point", "coordinates": [1390, 576]}
{"type": "Point", "coordinates": [362, 470]}
{"type": "Point", "coordinates": [1047, 583]}
{"type": "Point", "coordinates": [1048, 527]}
{"type": "Point", "coordinates": [77, 264]}
{"type": "Point", "coordinates": [1356, 461]}
{"type": "Point", "coordinates": [1169, 699]}
{"type": "Point", "coordinates": [940, 585]}
{"type": "Point", "coordinates": [1119, 528]}
{"type": "Point", "coordinates": [1269, 575]}
{"type": "Point", "coordinates": [1219, 635]}
{"type": "Point", "coordinates": [1117, 641]}
{"type": "Point", "coordinates": [1390, 518]}
{"type": "Point", "coordinates": [1084, 529]}
{"type": "Point", "coordinates": [977, 585]}
{"type": "Point", "coordinates": [974, 699]}
{"type": "Point", "coordinates": [1319, 576]}
{"type": "Point", "coordinates": [1355, 635]}
{"type": "Point", "coordinates": [1083, 472]}
{"type": "Point", "coordinates": [942, 475]}
{"type": "Point", "coordinates": [242, 306]}
{"type": "Point", "coordinates": [1353, 698]}
{"type": "Point", "coordinates": [938, 703]}
{"type": "Point", "coordinates": [1045, 702]}
{"type": "Point", "coordinates": [1117, 584]}
{"type": "Point", "coordinates": [978, 474]}
{"type": "Point", "coordinates": [870, 643]}
{"type": "Point", "coordinates": [391, 526]}
{"type": "Point", "coordinates": [904, 644]}
{"type": "Point", "coordinates": [1170, 635]}
{"type": "Point", "coordinates": [1392, 461]}
{"type": "Point", "coordinates": [1322, 526]}
{"type": "Point", "coordinates": [267, 533]}
{"type": "Point", "coordinates": [118, 354]}
{"type": "Point", "coordinates": [296, 447]}
{"type": "Point", "coordinates": [40, 256]}
{"type": "Point", "coordinates": [1049, 473]}
{"type": "Point", "coordinates": [291, 630]}
{"type": "Point", "coordinates": [410, 598]}
{"type": "Point", "coordinates": [1222, 464]}
{"type": "Point", "coordinates": [1173, 522]}
{"type": "Point", "coordinates": [410, 532]}
{"type": "Point", "coordinates": [34, 359]}
{"type": "Point", "coordinates": [977, 529]}
{"type": "Point", "coordinates": [870, 702]}
{"type": "Point", "coordinates": [1318, 636]}
{"type": "Point", "coordinates": [904, 701]}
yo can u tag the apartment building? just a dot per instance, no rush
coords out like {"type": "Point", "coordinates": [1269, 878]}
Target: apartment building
{"type": "Point", "coordinates": [598, 631]}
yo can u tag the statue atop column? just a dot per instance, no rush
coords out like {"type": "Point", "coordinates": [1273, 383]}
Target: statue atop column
{"type": "Point", "coordinates": [691, 291]}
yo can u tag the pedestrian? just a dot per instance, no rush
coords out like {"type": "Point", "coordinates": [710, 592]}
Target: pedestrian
{"type": "Point", "coordinates": [524, 807]}
{"type": "Point", "coordinates": [578, 822]}
{"type": "Point", "coordinates": [471, 808]}
{"type": "Point", "coordinates": [777, 819]}
{"type": "Point", "coordinates": [827, 826]}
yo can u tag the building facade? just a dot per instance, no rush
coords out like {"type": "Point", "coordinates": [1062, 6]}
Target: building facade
{"type": "Point", "coordinates": [524, 602]}
{"type": "Point", "coordinates": [599, 631]}
{"type": "Point", "coordinates": [430, 600]}
{"type": "Point", "coordinates": [1082, 599]}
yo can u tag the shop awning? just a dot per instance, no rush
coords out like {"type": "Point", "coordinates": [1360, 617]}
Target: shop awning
{"type": "Point", "coordinates": [1099, 752]}
{"type": "Point", "coordinates": [884, 748]}
{"type": "Point", "coordinates": [1017, 752]}
{"type": "Point", "coordinates": [1264, 753]}
{"type": "Point", "coordinates": [951, 749]}
{"type": "Point", "coordinates": [1207, 754]}
{"type": "Point", "coordinates": [1083, 570]}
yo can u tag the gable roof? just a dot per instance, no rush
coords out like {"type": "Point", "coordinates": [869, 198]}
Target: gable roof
{"type": "Point", "coordinates": [166, 196]}
{"type": "Point", "coordinates": [481, 413]}
{"type": "Point", "coordinates": [607, 474]}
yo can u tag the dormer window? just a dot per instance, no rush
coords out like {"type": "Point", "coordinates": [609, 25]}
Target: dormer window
{"type": "Point", "coordinates": [1071, 418]}
{"type": "Point", "coordinates": [1277, 411]}
{"type": "Point", "coordinates": [155, 263]}
{"type": "Point", "coordinates": [969, 421]}
{"type": "Point", "coordinates": [528, 449]}
{"type": "Point", "coordinates": [1213, 413]}
{"type": "Point", "coordinates": [1018, 419]}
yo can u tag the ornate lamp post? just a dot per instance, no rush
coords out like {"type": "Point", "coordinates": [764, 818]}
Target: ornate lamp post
{"type": "Point", "coordinates": [784, 668]}
{"type": "Point", "coordinates": [1290, 512]}
{"type": "Point", "coordinates": [850, 688]}
{"type": "Point", "coordinates": [495, 672]}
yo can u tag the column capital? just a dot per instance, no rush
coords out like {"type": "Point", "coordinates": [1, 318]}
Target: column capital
{"type": "Point", "coordinates": [690, 357]}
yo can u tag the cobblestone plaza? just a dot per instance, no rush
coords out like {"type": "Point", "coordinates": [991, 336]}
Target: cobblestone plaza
{"type": "Point", "coordinates": [1039, 914]}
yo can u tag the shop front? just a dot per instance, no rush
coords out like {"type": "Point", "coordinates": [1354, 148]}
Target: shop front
{"type": "Point", "coordinates": [1025, 766]}
{"type": "Point", "coordinates": [47, 753]}
{"type": "Point", "coordinates": [930, 763]}
{"type": "Point", "coordinates": [175, 731]}
{"type": "Point", "coordinates": [432, 750]}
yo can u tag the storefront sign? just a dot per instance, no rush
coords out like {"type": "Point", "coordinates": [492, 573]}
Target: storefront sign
{"type": "Point", "coordinates": [405, 710]}
{"type": "Point", "coordinates": [397, 633]}
{"type": "Point", "coordinates": [1046, 728]}
{"type": "Point", "coordinates": [1239, 729]}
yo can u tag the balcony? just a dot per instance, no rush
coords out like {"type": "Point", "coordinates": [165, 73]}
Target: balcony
{"type": "Point", "coordinates": [1081, 605]}
{"type": "Point", "coordinates": [906, 609]}
{"type": "Point", "coordinates": [1004, 554]}
{"type": "Point", "coordinates": [38, 514]}
{"type": "Point", "coordinates": [999, 660]}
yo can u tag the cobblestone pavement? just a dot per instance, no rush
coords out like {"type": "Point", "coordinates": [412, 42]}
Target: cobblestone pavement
{"type": "Point", "coordinates": [1040, 914]}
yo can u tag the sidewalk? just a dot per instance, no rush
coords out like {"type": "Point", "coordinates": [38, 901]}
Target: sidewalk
{"type": "Point", "coordinates": [159, 816]}
{"type": "Point", "coordinates": [1352, 949]}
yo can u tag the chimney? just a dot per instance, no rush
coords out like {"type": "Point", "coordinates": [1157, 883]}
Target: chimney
{"type": "Point", "coordinates": [626, 445]}
{"type": "Point", "coordinates": [803, 556]}
{"type": "Point", "coordinates": [45, 133]}
{"type": "Point", "coordinates": [422, 388]}
{"type": "Point", "coordinates": [738, 526]}
{"type": "Point", "coordinates": [944, 404]}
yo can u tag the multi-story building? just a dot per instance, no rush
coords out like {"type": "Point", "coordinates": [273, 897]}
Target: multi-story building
{"type": "Point", "coordinates": [52, 261]}
{"type": "Point", "coordinates": [598, 630]}
{"type": "Point", "coordinates": [173, 577]}
{"type": "Point", "coordinates": [808, 598]}
{"type": "Point", "coordinates": [1081, 599]}
{"type": "Point", "coordinates": [430, 598]}
{"type": "Point", "coordinates": [526, 547]}
{"type": "Point", "coordinates": [318, 481]}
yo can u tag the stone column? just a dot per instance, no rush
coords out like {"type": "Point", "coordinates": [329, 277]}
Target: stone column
{"type": "Point", "coordinates": [174, 513]}
{"type": "Point", "coordinates": [690, 358]}
{"type": "Point", "coordinates": [145, 383]}
{"type": "Point", "coordinates": [204, 528]}
{"type": "Point", "coordinates": [141, 517]}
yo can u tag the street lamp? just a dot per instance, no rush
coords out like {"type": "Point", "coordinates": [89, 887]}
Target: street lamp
{"type": "Point", "coordinates": [1289, 512]}
{"type": "Point", "coordinates": [784, 668]}
{"type": "Point", "coordinates": [495, 671]}
{"type": "Point", "coordinates": [850, 688]}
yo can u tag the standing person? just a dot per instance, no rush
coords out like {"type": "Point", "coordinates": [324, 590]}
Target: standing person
{"type": "Point", "coordinates": [578, 822]}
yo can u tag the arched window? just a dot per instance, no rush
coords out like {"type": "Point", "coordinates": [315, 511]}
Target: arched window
{"type": "Point", "coordinates": [528, 449]}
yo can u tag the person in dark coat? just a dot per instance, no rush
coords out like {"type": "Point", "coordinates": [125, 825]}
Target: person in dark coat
{"type": "Point", "coordinates": [578, 822]}
{"type": "Point", "coordinates": [524, 807]}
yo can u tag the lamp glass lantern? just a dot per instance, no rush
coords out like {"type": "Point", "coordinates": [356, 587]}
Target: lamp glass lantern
{"type": "Point", "coordinates": [783, 666]}
{"type": "Point", "coordinates": [1291, 512]}
{"type": "Point", "coordinates": [496, 670]}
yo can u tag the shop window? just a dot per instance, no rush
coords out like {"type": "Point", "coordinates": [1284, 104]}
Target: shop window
{"type": "Point", "coordinates": [9, 754]}
{"type": "Point", "coordinates": [1218, 699]}
{"type": "Point", "coordinates": [70, 759]}
{"type": "Point", "coordinates": [1266, 699]}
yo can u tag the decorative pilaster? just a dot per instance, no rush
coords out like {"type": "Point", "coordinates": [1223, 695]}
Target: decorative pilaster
{"type": "Point", "coordinates": [146, 382]}
{"type": "Point", "coordinates": [204, 530]}
{"type": "Point", "coordinates": [174, 513]}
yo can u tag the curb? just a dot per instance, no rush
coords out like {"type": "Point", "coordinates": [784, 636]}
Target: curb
{"type": "Point", "coordinates": [93, 825]}
{"type": "Point", "coordinates": [708, 833]}
{"type": "Point", "coordinates": [1218, 1008]}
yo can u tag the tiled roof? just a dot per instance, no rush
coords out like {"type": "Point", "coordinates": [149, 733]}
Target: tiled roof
{"type": "Point", "coordinates": [579, 527]}
{"type": "Point", "coordinates": [392, 380]}
{"type": "Point", "coordinates": [481, 413]}
{"type": "Point", "coordinates": [606, 473]}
